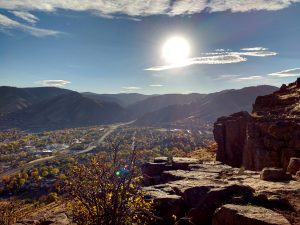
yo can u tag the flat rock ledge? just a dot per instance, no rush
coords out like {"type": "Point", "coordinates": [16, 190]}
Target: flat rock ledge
{"type": "Point", "coordinates": [247, 215]}
{"type": "Point", "coordinates": [193, 193]}
{"type": "Point", "coordinates": [56, 219]}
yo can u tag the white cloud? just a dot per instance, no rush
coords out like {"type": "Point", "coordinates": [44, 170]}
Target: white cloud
{"type": "Point", "coordinates": [211, 58]}
{"type": "Point", "coordinates": [250, 78]}
{"type": "Point", "coordinates": [28, 17]}
{"type": "Point", "coordinates": [208, 60]}
{"type": "Point", "coordinates": [103, 7]}
{"type": "Point", "coordinates": [254, 49]}
{"type": "Point", "coordinates": [7, 23]}
{"type": "Point", "coordinates": [132, 8]}
{"type": "Point", "coordinates": [257, 53]}
{"type": "Point", "coordinates": [146, 7]}
{"type": "Point", "coordinates": [132, 88]}
{"type": "Point", "coordinates": [248, 5]}
{"type": "Point", "coordinates": [287, 73]}
{"type": "Point", "coordinates": [53, 83]}
{"type": "Point", "coordinates": [227, 76]}
{"type": "Point", "coordinates": [156, 85]}
{"type": "Point", "coordinates": [188, 7]}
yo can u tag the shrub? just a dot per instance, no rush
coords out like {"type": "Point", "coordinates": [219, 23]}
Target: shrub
{"type": "Point", "coordinates": [106, 190]}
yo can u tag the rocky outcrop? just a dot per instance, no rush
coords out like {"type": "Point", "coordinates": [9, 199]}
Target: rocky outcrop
{"type": "Point", "coordinates": [268, 137]}
{"type": "Point", "coordinates": [251, 215]}
{"type": "Point", "coordinates": [192, 195]}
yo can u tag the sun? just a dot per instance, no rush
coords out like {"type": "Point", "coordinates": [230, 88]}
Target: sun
{"type": "Point", "coordinates": [176, 50]}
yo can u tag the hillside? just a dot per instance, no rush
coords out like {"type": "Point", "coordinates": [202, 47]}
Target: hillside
{"type": "Point", "coordinates": [67, 110]}
{"type": "Point", "coordinates": [208, 107]}
{"type": "Point", "coordinates": [14, 99]}
{"type": "Point", "coordinates": [123, 100]}
{"type": "Point", "coordinates": [158, 102]}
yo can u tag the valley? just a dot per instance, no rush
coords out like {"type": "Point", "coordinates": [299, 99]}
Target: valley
{"type": "Point", "coordinates": [178, 133]}
{"type": "Point", "coordinates": [156, 112]}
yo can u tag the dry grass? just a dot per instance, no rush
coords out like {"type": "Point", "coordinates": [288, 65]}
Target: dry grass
{"type": "Point", "coordinates": [205, 154]}
{"type": "Point", "coordinates": [13, 210]}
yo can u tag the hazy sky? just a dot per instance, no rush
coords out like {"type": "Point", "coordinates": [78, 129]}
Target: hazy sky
{"type": "Point", "coordinates": [108, 46]}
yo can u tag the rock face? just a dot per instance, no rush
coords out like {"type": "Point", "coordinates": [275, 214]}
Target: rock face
{"type": "Point", "coordinates": [268, 137]}
{"type": "Point", "coordinates": [192, 195]}
{"type": "Point", "coordinates": [251, 215]}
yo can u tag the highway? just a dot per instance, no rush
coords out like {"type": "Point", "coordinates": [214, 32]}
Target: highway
{"type": "Point", "coordinates": [67, 153]}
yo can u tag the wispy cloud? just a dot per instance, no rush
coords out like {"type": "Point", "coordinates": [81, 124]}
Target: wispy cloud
{"type": "Point", "coordinates": [287, 73]}
{"type": "Point", "coordinates": [227, 77]}
{"type": "Point", "coordinates": [249, 5]}
{"type": "Point", "coordinates": [53, 83]}
{"type": "Point", "coordinates": [254, 49]}
{"type": "Point", "coordinates": [250, 78]}
{"type": "Point", "coordinates": [28, 17]}
{"type": "Point", "coordinates": [217, 57]}
{"type": "Point", "coordinates": [132, 88]}
{"type": "Point", "coordinates": [146, 8]}
{"type": "Point", "coordinates": [156, 85]}
{"type": "Point", "coordinates": [7, 23]}
{"type": "Point", "coordinates": [208, 60]}
{"type": "Point", "coordinates": [132, 9]}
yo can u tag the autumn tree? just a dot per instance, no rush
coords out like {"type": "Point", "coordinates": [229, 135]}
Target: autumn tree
{"type": "Point", "coordinates": [106, 190]}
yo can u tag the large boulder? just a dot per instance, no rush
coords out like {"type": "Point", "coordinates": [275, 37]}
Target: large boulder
{"type": "Point", "coordinates": [182, 163]}
{"type": "Point", "coordinates": [274, 174]}
{"type": "Point", "coordinates": [298, 176]}
{"type": "Point", "coordinates": [294, 165]}
{"type": "Point", "coordinates": [167, 206]}
{"type": "Point", "coordinates": [203, 213]}
{"type": "Point", "coordinates": [153, 169]}
{"type": "Point", "coordinates": [230, 214]}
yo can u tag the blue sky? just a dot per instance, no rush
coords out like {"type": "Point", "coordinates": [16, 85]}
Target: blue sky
{"type": "Point", "coordinates": [102, 47]}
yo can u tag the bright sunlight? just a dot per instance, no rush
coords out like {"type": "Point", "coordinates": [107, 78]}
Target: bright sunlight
{"type": "Point", "coordinates": [176, 50]}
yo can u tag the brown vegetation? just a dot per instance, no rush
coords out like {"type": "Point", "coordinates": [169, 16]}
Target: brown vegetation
{"type": "Point", "coordinates": [106, 190]}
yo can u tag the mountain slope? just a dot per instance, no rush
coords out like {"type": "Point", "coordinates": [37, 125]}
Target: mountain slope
{"type": "Point", "coordinates": [67, 110]}
{"type": "Point", "coordinates": [209, 107]}
{"type": "Point", "coordinates": [123, 100]}
{"type": "Point", "coordinates": [14, 99]}
{"type": "Point", "coordinates": [155, 103]}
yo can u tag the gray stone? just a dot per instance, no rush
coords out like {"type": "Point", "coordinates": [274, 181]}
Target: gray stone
{"type": "Point", "coordinates": [274, 174]}
{"type": "Point", "coordinates": [294, 165]}
{"type": "Point", "coordinates": [247, 215]}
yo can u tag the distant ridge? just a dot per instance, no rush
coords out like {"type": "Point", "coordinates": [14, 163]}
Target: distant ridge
{"type": "Point", "coordinates": [46, 108]}
{"type": "Point", "coordinates": [208, 108]}
{"type": "Point", "coordinates": [13, 99]}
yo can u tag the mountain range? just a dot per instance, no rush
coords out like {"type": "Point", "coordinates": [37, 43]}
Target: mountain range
{"type": "Point", "coordinates": [45, 108]}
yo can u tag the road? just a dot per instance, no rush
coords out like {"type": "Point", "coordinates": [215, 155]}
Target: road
{"type": "Point", "coordinates": [48, 158]}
